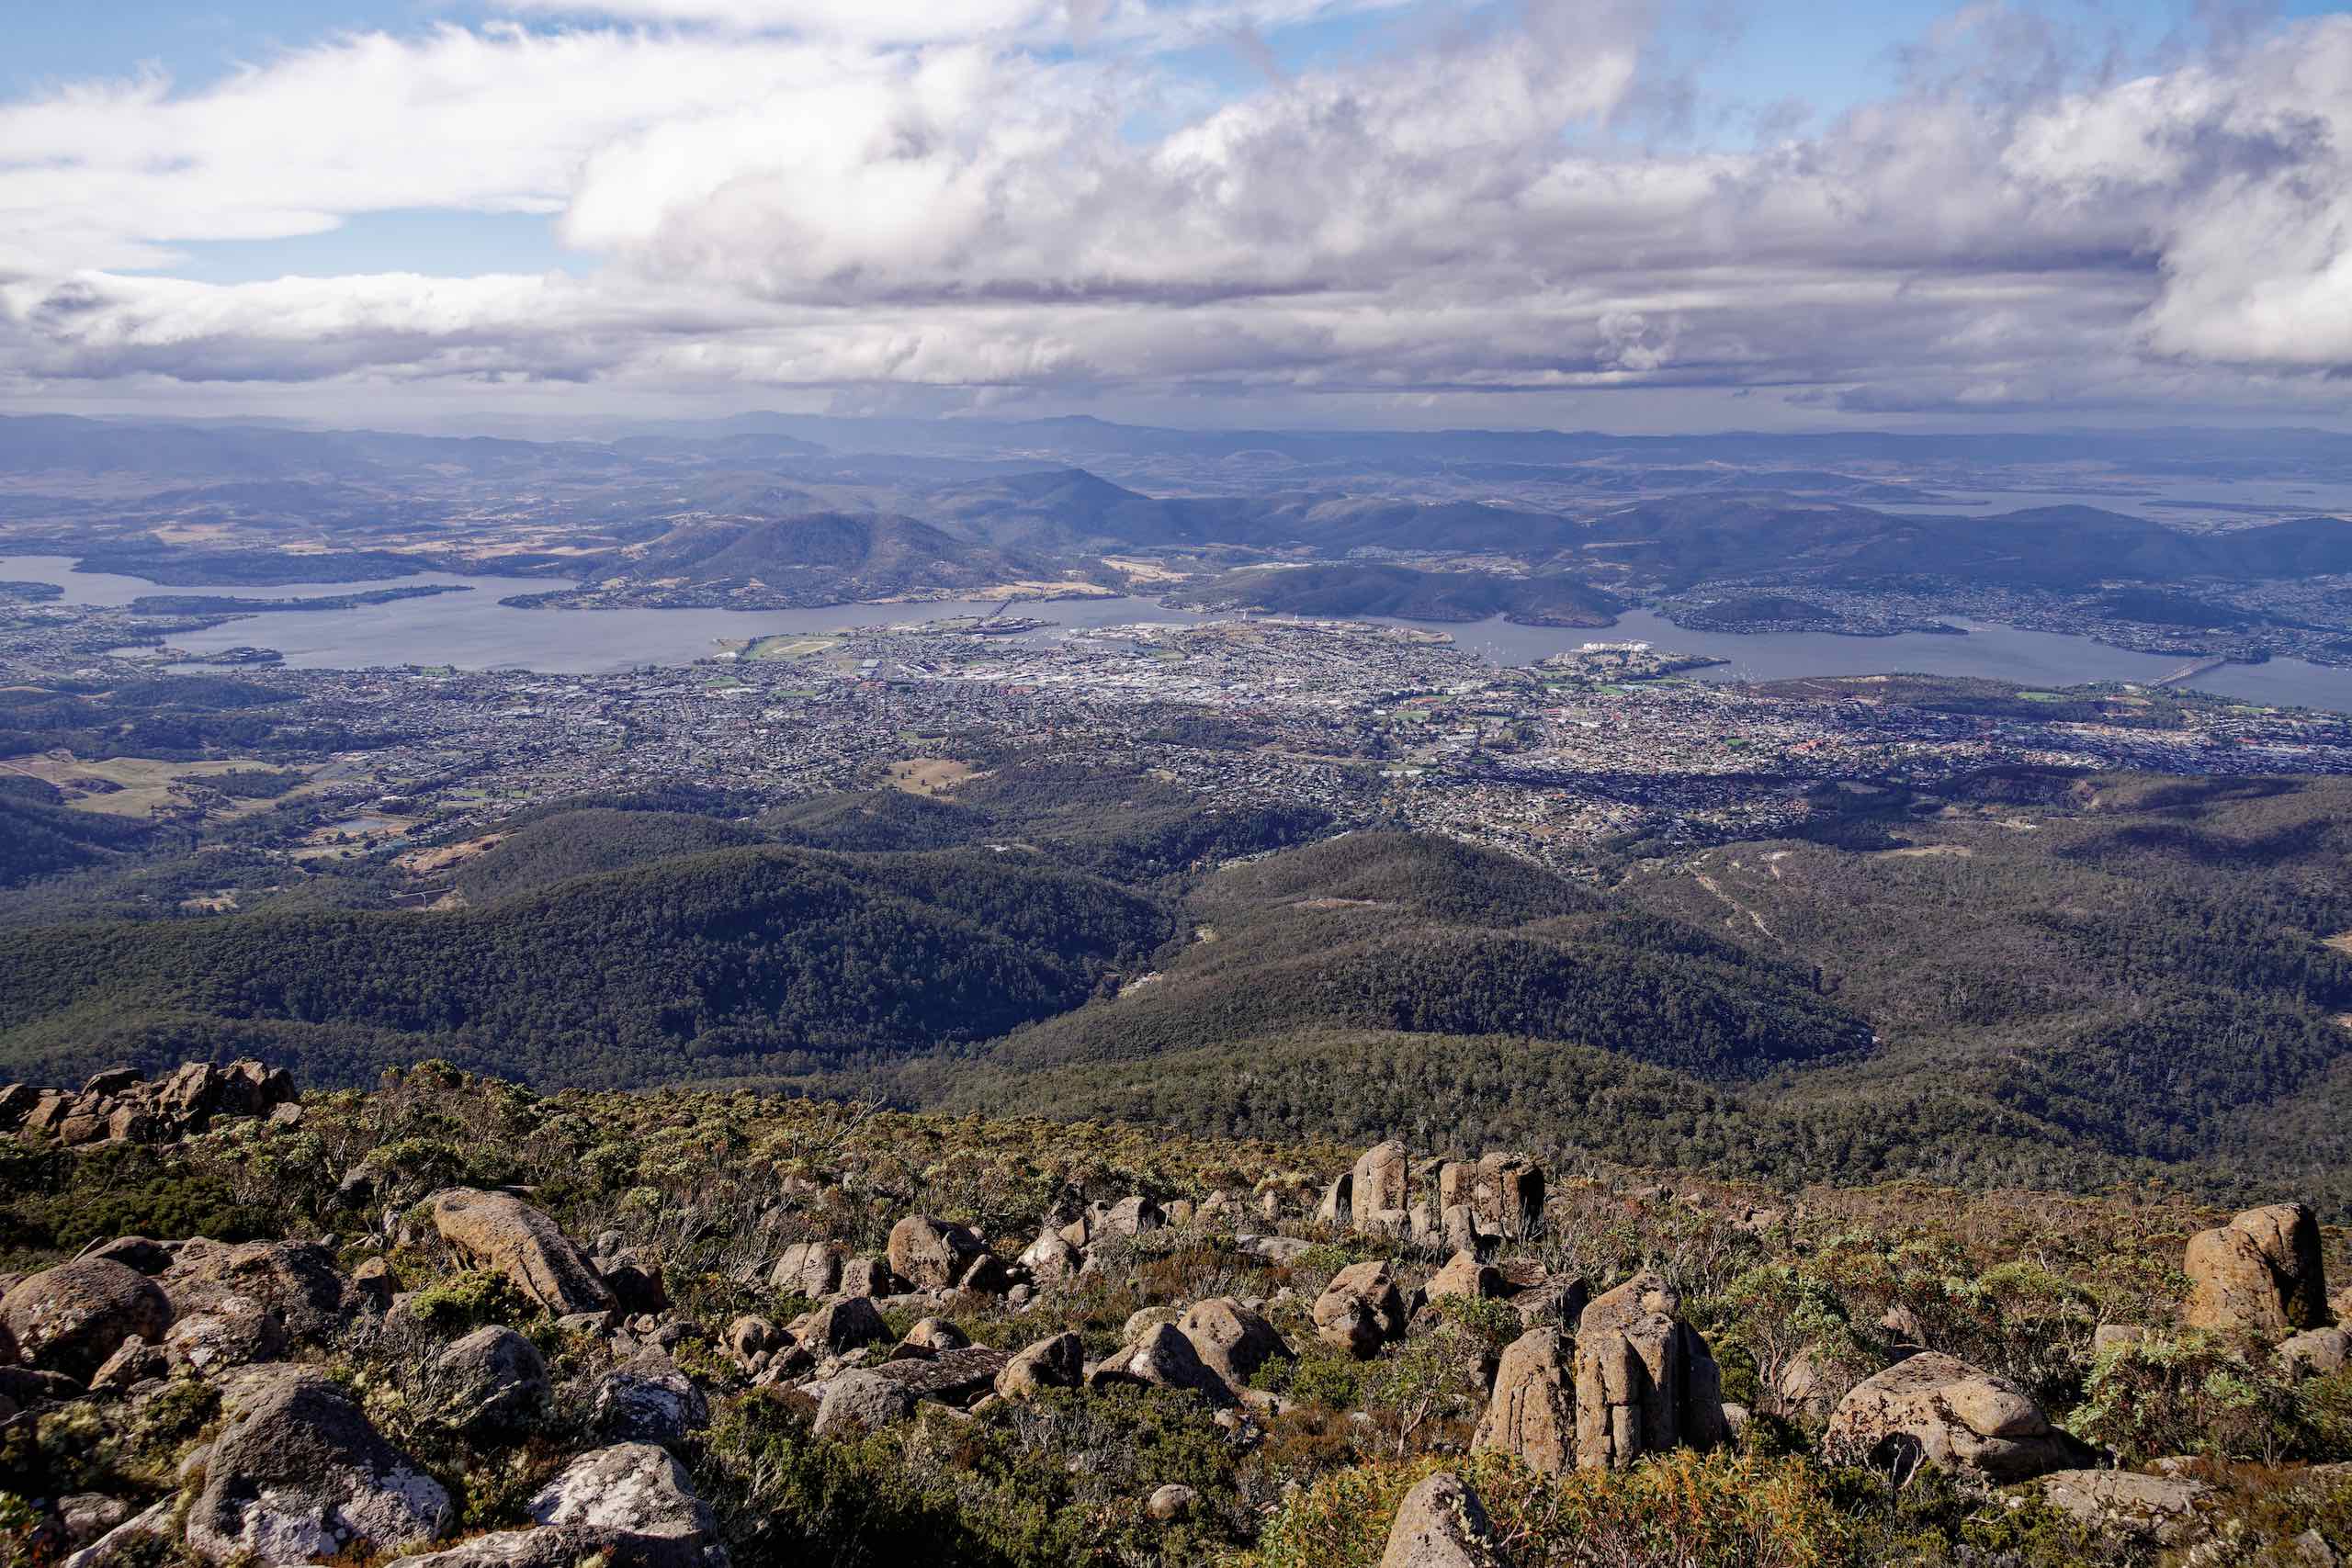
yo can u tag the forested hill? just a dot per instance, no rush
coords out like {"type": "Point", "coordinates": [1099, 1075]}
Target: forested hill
{"type": "Point", "coordinates": [557, 848]}
{"type": "Point", "coordinates": [756, 959]}
{"type": "Point", "coordinates": [1385, 931]}
{"type": "Point", "coordinates": [2036, 978]}
{"type": "Point", "coordinates": [2065, 980]}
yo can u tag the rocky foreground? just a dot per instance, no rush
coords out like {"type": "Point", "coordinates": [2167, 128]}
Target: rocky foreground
{"type": "Point", "coordinates": [455, 1323]}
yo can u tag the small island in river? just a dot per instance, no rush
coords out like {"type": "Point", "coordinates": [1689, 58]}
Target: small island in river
{"type": "Point", "coordinates": [232, 604]}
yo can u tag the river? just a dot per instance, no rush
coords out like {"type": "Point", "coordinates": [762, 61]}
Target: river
{"type": "Point", "coordinates": [473, 631]}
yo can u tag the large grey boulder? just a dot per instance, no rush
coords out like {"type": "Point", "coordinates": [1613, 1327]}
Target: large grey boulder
{"type": "Point", "coordinates": [1161, 1357]}
{"type": "Point", "coordinates": [929, 1336]}
{"type": "Point", "coordinates": [497, 1230]}
{"type": "Point", "coordinates": [2260, 1274]}
{"type": "Point", "coordinates": [863, 1401]}
{"type": "Point", "coordinates": [230, 1331]}
{"type": "Point", "coordinates": [930, 1254]}
{"type": "Point", "coordinates": [1231, 1340]}
{"type": "Point", "coordinates": [810, 1269]}
{"type": "Point", "coordinates": [1440, 1524]}
{"type": "Point", "coordinates": [2315, 1352]}
{"type": "Point", "coordinates": [1533, 1410]}
{"type": "Point", "coordinates": [1644, 1379]}
{"type": "Point", "coordinates": [1360, 1310]}
{"type": "Point", "coordinates": [869, 1277]}
{"type": "Point", "coordinates": [492, 1380]}
{"type": "Point", "coordinates": [1937, 1409]}
{"type": "Point", "coordinates": [70, 1319]}
{"type": "Point", "coordinates": [841, 1326]}
{"type": "Point", "coordinates": [650, 1400]}
{"type": "Point", "coordinates": [1058, 1362]}
{"type": "Point", "coordinates": [1051, 1259]}
{"type": "Point", "coordinates": [955, 1377]}
{"type": "Point", "coordinates": [296, 1283]}
{"type": "Point", "coordinates": [1128, 1217]}
{"type": "Point", "coordinates": [299, 1475]}
{"type": "Point", "coordinates": [632, 1491]}
{"type": "Point", "coordinates": [2160, 1510]}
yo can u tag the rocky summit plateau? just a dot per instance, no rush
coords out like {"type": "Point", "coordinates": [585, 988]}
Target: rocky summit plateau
{"type": "Point", "coordinates": [449, 1320]}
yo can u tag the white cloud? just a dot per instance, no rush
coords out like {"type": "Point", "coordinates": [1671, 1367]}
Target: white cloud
{"type": "Point", "coordinates": [800, 203]}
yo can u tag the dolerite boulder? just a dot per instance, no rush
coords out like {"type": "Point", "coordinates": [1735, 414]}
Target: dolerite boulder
{"type": "Point", "coordinates": [2260, 1274]}
{"type": "Point", "coordinates": [1128, 1217]}
{"type": "Point", "coordinates": [1440, 1524]}
{"type": "Point", "coordinates": [951, 1377]}
{"type": "Point", "coordinates": [811, 1269]}
{"type": "Point", "coordinates": [141, 1533]}
{"type": "Point", "coordinates": [1051, 1259]}
{"type": "Point", "coordinates": [299, 1475]}
{"type": "Point", "coordinates": [861, 1401]}
{"type": "Point", "coordinates": [133, 1362]}
{"type": "Point", "coordinates": [1161, 1357]}
{"type": "Point", "coordinates": [648, 1400]}
{"type": "Point", "coordinates": [867, 1277]}
{"type": "Point", "coordinates": [1464, 1275]}
{"type": "Point", "coordinates": [497, 1230]}
{"type": "Point", "coordinates": [1338, 1207]}
{"type": "Point", "coordinates": [295, 1282]}
{"type": "Point", "coordinates": [930, 1254]}
{"type": "Point", "coordinates": [491, 1381]}
{"type": "Point", "coordinates": [1382, 1187]}
{"type": "Point", "coordinates": [1645, 1380]}
{"type": "Point", "coordinates": [89, 1515]}
{"type": "Point", "coordinates": [231, 1331]}
{"type": "Point", "coordinates": [633, 1493]}
{"type": "Point", "coordinates": [636, 1287]}
{"type": "Point", "coordinates": [750, 1335]}
{"type": "Point", "coordinates": [1058, 1362]}
{"type": "Point", "coordinates": [1937, 1409]}
{"type": "Point", "coordinates": [148, 1257]}
{"type": "Point", "coordinates": [843, 1325]}
{"type": "Point", "coordinates": [2157, 1510]}
{"type": "Point", "coordinates": [1500, 1195]}
{"type": "Point", "coordinates": [1360, 1310]}
{"type": "Point", "coordinates": [1174, 1501]}
{"type": "Point", "coordinates": [1533, 1412]}
{"type": "Point", "coordinates": [1509, 1195]}
{"type": "Point", "coordinates": [929, 1336]}
{"type": "Point", "coordinates": [1144, 1318]}
{"type": "Point", "coordinates": [2315, 1352]}
{"type": "Point", "coordinates": [70, 1319]}
{"type": "Point", "coordinates": [1231, 1340]}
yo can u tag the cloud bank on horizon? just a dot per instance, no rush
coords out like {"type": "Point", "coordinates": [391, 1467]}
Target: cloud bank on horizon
{"type": "Point", "coordinates": [1051, 202]}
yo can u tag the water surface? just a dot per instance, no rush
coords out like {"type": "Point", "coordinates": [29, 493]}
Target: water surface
{"type": "Point", "coordinates": [473, 631]}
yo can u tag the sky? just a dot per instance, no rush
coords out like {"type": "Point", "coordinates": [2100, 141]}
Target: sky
{"type": "Point", "coordinates": [1637, 215]}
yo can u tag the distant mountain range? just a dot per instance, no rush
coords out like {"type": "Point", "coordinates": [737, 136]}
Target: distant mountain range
{"type": "Point", "coordinates": [788, 510]}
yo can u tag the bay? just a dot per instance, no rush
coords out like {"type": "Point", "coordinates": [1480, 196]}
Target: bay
{"type": "Point", "coordinates": [471, 630]}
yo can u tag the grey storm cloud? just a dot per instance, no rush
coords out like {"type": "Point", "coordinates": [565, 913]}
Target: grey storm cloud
{"type": "Point", "coordinates": [1469, 213]}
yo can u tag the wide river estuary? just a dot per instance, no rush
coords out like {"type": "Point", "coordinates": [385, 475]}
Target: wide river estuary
{"type": "Point", "coordinates": [473, 631]}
